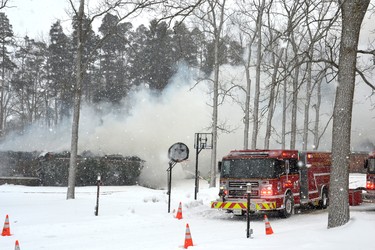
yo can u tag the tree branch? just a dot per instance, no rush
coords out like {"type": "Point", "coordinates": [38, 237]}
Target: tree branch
{"type": "Point", "coordinates": [368, 52]}
{"type": "Point", "coordinates": [3, 4]}
{"type": "Point", "coordinates": [360, 73]}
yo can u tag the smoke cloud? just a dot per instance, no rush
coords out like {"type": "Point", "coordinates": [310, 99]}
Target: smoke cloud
{"type": "Point", "coordinates": [147, 124]}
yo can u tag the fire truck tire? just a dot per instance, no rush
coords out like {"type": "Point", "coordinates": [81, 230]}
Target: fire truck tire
{"type": "Point", "coordinates": [288, 209]}
{"type": "Point", "coordinates": [323, 203]}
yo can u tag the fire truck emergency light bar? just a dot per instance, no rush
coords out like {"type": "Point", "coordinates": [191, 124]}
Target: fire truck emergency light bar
{"type": "Point", "coordinates": [271, 153]}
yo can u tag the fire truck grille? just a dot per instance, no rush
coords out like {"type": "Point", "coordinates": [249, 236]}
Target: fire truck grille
{"type": "Point", "coordinates": [237, 184]}
{"type": "Point", "coordinates": [238, 189]}
{"type": "Point", "coordinates": [242, 193]}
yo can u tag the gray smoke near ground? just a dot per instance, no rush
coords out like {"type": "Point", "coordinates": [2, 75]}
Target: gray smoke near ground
{"type": "Point", "coordinates": [146, 125]}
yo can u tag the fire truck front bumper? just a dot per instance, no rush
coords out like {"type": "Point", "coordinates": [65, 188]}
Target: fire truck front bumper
{"type": "Point", "coordinates": [368, 197]}
{"type": "Point", "coordinates": [238, 206]}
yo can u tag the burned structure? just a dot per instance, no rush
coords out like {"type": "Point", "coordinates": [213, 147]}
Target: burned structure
{"type": "Point", "coordinates": [51, 169]}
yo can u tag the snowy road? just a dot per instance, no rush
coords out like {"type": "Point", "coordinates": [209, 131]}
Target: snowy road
{"type": "Point", "coordinates": [136, 218]}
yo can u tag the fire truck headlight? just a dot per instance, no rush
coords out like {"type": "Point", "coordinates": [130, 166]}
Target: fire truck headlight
{"type": "Point", "coordinates": [266, 190]}
{"type": "Point", "coordinates": [223, 191]}
{"type": "Point", "coordinates": [370, 185]}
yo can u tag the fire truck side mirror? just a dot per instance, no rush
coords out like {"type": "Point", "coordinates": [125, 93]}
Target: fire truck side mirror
{"type": "Point", "coordinates": [366, 163]}
{"type": "Point", "coordinates": [219, 166]}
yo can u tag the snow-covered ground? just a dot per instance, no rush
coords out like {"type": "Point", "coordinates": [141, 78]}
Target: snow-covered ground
{"type": "Point", "coordinates": [134, 217]}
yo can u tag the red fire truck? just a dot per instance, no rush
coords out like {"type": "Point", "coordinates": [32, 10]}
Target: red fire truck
{"type": "Point", "coordinates": [369, 194]}
{"type": "Point", "coordinates": [279, 180]}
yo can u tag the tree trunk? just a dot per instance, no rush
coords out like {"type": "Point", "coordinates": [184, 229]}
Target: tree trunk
{"type": "Point", "coordinates": [353, 12]}
{"type": "Point", "coordinates": [293, 129]}
{"type": "Point", "coordinates": [215, 115]}
{"type": "Point", "coordinates": [247, 106]}
{"type": "Point", "coordinates": [247, 101]}
{"type": "Point", "coordinates": [2, 93]}
{"type": "Point", "coordinates": [77, 106]}
{"type": "Point", "coordinates": [271, 102]}
{"type": "Point", "coordinates": [307, 107]}
{"type": "Point", "coordinates": [283, 125]}
{"type": "Point", "coordinates": [317, 111]}
{"type": "Point", "coordinates": [217, 34]}
{"type": "Point", "coordinates": [254, 137]}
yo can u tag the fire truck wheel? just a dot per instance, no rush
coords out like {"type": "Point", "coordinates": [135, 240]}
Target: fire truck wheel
{"type": "Point", "coordinates": [323, 203]}
{"type": "Point", "coordinates": [287, 211]}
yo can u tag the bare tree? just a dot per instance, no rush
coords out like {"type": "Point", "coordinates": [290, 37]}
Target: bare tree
{"type": "Point", "coordinates": [134, 7]}
{"type": "Point", "coordinates": [317, 132]}
{"type": "Point", "coordinates": [246, 21]}
{"type": "Point", "coordinates": [277, 46]}
{"type": "Point", "coordinates": [216, 14]}
{"type": "Point", "coordinates": [292, 64]}
{"type": "Point", "coordinates": [124, 9]}
{"type": "Point", "coordinates": [248, 96]}
{"type": "Point", "coordinates": [283, 122]}
{"type": "Point", "coordinates": [353, 12]}
{"type": "Point", "coordinates": [254, 135]}
{"type": "Point", "coordinates": [77, 102]}
{"type": "Point", "coordinates": [295, 89]}
{"type": "Point", "coordinates": [3, 4]}
{"type": "Point", "coordinates": [212, 17]}
{"type": "Point", "coordinates": [319, 19]}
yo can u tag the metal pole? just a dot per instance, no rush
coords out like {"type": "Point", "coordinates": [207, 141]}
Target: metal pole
{"type": "Point", "coordinates": [171, 164]}
{"type": "Point", "coordinates": [169, 186]}
{"type": "Point", "coordinates": [248, 230]}
{"type": "Point", "coordinates": [97, 195]}
{"type": "Point", "coordinates": [248, 216]}
{"type": "Point", "coordinates": [196, 166]}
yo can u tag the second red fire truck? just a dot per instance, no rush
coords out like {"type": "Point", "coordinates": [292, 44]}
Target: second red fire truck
{"type": "Point", "coordinates": [279, 180]}
{"type": "Point", "coordinates": [369, 194]}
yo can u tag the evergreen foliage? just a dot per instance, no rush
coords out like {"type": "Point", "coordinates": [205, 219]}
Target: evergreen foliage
{"type": "Point", "coordinates": [6, 66]}
{"type": "Point", "coordinates": [43, 74]}
{"type": "Point", "coordinates": [60, 68]}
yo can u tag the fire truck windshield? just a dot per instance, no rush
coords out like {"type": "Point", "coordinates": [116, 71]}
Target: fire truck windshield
{"type": "Point", "coordinates": [251, 168]}
{"type": "Point", "coordinates": [371, 166]}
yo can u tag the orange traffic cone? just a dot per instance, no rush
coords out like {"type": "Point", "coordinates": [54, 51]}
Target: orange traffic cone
{"type": "Point", "coordinates": [179, 212]}
{"type": "Point", "coordinates": [268, 225]}
{"type": "Point", "coordinates": [6, 228]}
{"type": "Point", "coordinates": [188, 239]}
{"type": "Point", "coordinates": [17, 247]}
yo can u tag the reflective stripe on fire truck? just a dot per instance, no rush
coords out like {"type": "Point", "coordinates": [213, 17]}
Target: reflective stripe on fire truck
{"type": "Point", "coordinates": [242, 205]}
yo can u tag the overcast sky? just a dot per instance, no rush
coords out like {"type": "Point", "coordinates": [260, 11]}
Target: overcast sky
{"type": "Point", "coordinates": [35, 17]}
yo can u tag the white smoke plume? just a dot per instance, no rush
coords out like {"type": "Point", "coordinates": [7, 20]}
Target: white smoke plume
{"type": "Point", "coordinates": [147, 124]}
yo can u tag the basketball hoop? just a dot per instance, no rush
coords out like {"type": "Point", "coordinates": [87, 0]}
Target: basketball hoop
{"type": "Point", "coordinates": [203, 141]}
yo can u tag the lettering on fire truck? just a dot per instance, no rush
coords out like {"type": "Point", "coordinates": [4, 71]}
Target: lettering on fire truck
{"type": "Point", "coordinates": [279, 179]}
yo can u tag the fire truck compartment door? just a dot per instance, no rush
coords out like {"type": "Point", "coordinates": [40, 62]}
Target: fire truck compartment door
{"type": "Point", "coordinates": [304, 185]}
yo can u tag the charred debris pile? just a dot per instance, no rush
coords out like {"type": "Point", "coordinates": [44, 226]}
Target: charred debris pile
{"type": "Point", "coordinates": [51, 169]}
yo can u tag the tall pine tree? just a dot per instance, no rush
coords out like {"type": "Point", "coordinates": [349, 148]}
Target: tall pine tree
{"type": "Point", "coordinates": [114, 59]}
{"type": "Point", "coordinates": [61, 78]}
{"type": "Point", "coordinates": [155, 61]}
{"type": "Point", "coordinates": [6, 65]}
